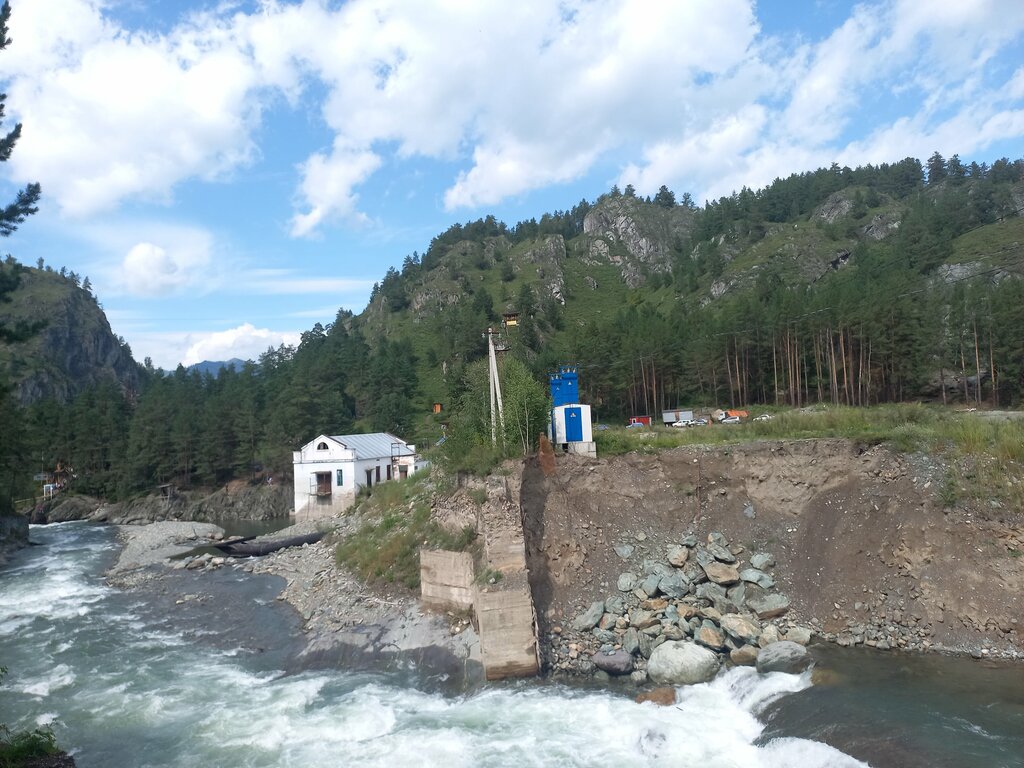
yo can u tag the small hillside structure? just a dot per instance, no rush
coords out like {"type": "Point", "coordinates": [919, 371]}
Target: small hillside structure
{"type": "Point", "coordinates": [331, 469]}
{"type": "Point", "coordinates": [570, 424]}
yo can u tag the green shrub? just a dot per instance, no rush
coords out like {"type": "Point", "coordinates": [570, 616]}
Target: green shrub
{"type": "Point", "coordinates": [386, 547]}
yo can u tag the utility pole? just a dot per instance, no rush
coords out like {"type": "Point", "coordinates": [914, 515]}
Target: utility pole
{"type": "Point", "coordinates": [495, 387]}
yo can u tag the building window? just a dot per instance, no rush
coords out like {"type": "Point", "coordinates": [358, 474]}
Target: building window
{"type": "Point", "coordinates": [323, 484]}
{"type": "Point", "coordinates": [389, 472]}
{"type": "Point", "coordinates": [378, 473]}
{"type": "Point", "coordinates": [341, 478]}
{"type": "Point", "coordinates": [321, 446]}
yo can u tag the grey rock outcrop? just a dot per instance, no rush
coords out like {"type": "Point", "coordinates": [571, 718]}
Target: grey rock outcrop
{"type": "Point", "coordinates": [784, 656]}
{"type": "Point", "coordinates": [678, 662]}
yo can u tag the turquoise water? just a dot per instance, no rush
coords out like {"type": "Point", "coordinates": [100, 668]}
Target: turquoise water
{"type": "Point", "coordinates": [133, 679]}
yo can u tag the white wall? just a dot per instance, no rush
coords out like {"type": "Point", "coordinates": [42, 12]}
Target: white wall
{"type": "Point", "coordinates": [308, 461]}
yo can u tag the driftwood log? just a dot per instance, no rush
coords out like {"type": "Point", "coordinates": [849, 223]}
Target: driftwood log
{"type": "Point", "coordinates": [249, 548]}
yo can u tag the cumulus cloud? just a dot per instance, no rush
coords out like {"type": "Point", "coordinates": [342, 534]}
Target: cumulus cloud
{"type": "Point", "coordinates": [110, 114]}
{"type": "Point", "coordinates": [246, 342]}
{"type": "Point", "coordinates": [158, 260]}
{"type": "Point", "coordinates": [517, 96]}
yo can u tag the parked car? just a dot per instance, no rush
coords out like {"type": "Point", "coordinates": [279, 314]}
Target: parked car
{"type": "Point", "coordinates": [699, 423]}
{"type": "Point", "coordinates": [636, 424]}
{"type": "Point", "coordinates": [683, 423]}
{"type": "Point", "coordinates": [763, 417]}
{"type": "Point", "coordinates": [731, 420]}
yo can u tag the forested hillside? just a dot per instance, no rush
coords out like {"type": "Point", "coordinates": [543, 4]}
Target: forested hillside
{"type": "Point", "coordinates": [853, 286]}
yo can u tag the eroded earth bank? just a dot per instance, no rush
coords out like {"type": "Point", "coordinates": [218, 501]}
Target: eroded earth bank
{"type": "Point", "coordinates": [856, 539]}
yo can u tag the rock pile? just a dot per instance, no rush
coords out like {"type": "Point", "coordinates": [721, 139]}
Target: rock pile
{"type": "Point", "coordinates": [677, 620]}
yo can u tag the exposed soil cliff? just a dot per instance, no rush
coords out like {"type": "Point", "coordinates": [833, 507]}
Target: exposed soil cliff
{"type": "Point", "coordinates": [865, 550]}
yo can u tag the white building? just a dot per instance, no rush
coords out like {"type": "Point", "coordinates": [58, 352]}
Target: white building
{"type": "Point", "coordinates": [330, 470]}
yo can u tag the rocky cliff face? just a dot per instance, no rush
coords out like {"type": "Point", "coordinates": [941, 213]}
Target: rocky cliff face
{"type": "Point", "coordinates": [74, 348]}
{"type": "Point", "coordinates": [236, 501]}
{"type": "Point", "coordinates": [636, 237]}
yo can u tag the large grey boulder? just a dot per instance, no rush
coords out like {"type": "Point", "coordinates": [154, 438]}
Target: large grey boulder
{"type": "Point", "coordinates": [677, 662]}
{"type": "Point", "coordinates": [784, 656]}
{"type": "Point", "coordinates": [618, 662]}
{"type": "Point", "coordinates": [626, 582]}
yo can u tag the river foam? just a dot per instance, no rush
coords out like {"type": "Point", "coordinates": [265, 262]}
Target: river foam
{"type": "Point", "coordinates": [129, 687]}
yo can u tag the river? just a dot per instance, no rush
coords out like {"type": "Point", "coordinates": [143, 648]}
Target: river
{"type": "Point", "coordinates": [137, 680]}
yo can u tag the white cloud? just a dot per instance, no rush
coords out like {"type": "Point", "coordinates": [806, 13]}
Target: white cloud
{"type": "Point", "coordinates": [519, 96]}
{"type": "Point", "coordinates": [148, 258]}
{"type": "Point", "coordinates": [327, 184]}
{"type": "Point", "coordinates": [110, 114]}
{"type": "Point", "coordinates": [246, 342]}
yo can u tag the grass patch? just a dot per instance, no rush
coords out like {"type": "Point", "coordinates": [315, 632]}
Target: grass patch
{"type": "Point", "coordinates": [386, 547]}
{"type": "Point", "coordinates": [18, 747]}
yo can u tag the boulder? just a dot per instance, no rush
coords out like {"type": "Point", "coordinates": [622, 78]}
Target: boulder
{"type": "Point", "coordinates": [721, 554]}
{"type": "Point", "coordinates": [710, 635]}
{"type": "Point", "coordinates": [677, 556]}
{"type": "Point", "coordinates": [800, 635]}
{"type": "Point", "coordinates": [679, 662]}
{"type": "Point", "coordinates": [769, 635]}
{"type": "Point", "coordinates": [642, 619]}
{"type": "Point", "coordinates": [630, 641]}
{"type": "Point", "coordinates": [615, 604]}
{"type": "Point", "coordinates": [650, 584]}
{"type": "Point", "coordinates": [738, 593]}
{"type": "Point", "coordinates": [625, 551]}
{"type": "Point", "coordinates": [721, 573]}
{"type": "Point", "coordinates": [769, 606]}
{"type": "Point", "coordinates": [716, 537]}
{"type": "Point", "coordinates": [744, 656]}
{"type": "Point", "coordinates": [689, 541]}
{"type": "Point", "coordinates": [702, 556]}
{"type": "Point", "coordinates": [755, 576]}
{"type": "Point", "coordinates": [626, 582]}
{"type": "Point", "coordinates": [656, 566]}
{"type": "Point", "coordinates": [762, 560]}
{"type": "Point", "coordinates": [742, 628]}
{"type": "Point", "coordinates": [589, 618]}
{"type": "Point", "coordinates": [663, 697]}
{"type": "Point", "coordinates": [784, 656]}
{"type": "Point", "coordinates": [674, 585]}
{"type": "Point", "coordinates": [673, 632]}
{"type": "Point", "coordinates": [694, 573]}
{"type": "Point", "coordinates": [618, 662]}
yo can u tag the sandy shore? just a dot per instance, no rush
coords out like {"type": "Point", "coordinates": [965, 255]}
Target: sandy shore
{"type": "Point", "coordinates": [344, 622]}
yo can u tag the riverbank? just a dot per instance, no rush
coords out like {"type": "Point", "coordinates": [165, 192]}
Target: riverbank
{"type": "Point", "coordinates": [865, 548]}
{"type": "Point", "coordinates": [340, 623]}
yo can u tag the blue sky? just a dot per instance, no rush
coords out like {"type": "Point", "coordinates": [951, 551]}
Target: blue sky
{"type": "Point", "coordinates": [230, 173]}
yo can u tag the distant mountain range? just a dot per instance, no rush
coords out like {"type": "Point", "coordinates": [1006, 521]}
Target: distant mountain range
{"type": "Point", "coordinates": [214, 367]}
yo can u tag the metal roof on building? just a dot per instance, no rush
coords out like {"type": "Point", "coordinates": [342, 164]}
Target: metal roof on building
{"type": "Point", "coordinates": [375, 445]}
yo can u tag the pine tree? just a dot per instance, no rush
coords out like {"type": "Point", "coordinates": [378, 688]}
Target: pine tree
{"type": "Point", "coordinates": [10, 217]}
{"type": "Point", "coordinates": [25, 203]}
